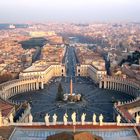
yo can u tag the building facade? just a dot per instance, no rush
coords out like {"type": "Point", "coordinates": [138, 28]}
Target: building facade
{"type": "Point", "coordinates": [89, 70]}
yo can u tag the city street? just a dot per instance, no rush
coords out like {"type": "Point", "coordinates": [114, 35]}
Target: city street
{"type": "Point", "coordinates": [70, 62]}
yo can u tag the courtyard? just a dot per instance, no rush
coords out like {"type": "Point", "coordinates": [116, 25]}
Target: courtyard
{"type": "Point", "coordinates": [94, 100]}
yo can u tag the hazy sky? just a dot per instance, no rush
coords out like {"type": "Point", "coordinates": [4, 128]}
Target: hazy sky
{"type": "Point", "coordinates": [69, 10]}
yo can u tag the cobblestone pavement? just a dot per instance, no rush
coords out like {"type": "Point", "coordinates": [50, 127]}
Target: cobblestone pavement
{"type": "Point", "coordinates": [94, 100]}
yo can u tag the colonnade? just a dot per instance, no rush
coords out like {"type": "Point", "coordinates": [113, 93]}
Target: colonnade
{"type": "Point", "coordinates": [137, 113]}
{"type": "Point", "coordinates": [30, 81]}
{"type": "Point", "coordinates": [19, 86]}
{"type": "Point", "coordinates": [120, 84]}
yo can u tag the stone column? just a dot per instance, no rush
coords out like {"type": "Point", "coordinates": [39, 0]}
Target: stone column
{"type": "Point", "coordinates": [131, 90]}
{"type": "Point", "coordinates": [11, 90]}
{"type": "Point", "coordinates": [105, 84]}
{"type": "Point", "coordinates": [31, 86]}
{"type": "Point", "coordinates": [118, 86]}
{"type": "Point", "coordinates": [42, 85]}
{"type": "Point", "coordinates": [8, 92]}
{"type": "Point", "coordinates": [121, 87]}
{"type": "Point", "coordinates": [108, 84]}
{"type": "Point", "coordinates": [14, 90]}
{"type": "Point", "coordinates": [27, 87]}
{"type": "Point", "coordinates": [37, 85]}
{"type": "Point", "coordinates": [134, 92]}
{"type": "Point", "coordinates": [127, 88]}
{"type": "Point", "coordinates": [23, 87]}
{"type": "Point", "coordinates": [113, 85]}
{"type": "Point", "coordinates": [18, 89]}
{"type": "Point", "coordinates": [100, 84]}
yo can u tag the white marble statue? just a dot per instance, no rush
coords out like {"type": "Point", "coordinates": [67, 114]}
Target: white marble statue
{"type": "Point", "coordinates": [101, 119]}
{"type": "Point", "coordinates": [29, 107]}
{"type": "Point", "coordinates": [83, 117]}
{"type": "Point", "coordinates": [47, 119]}
{"type": "Point", "coordinates": [54, 119]}
{"type": "Point", "coordinates": [65, 119]}
{"type": "Point", "coordinates": [73, 117]}
{"type": "Point", "coordinates": [11, 118]}
{"type": "Point", "coordinates": [118, 119]}
{"type": "Point", "coordinates": [30, 118]}
{"type": "Point", "coordinates": [94, 119]}
{"type": "Point", "coordinates": [137, 119]}
{"type": "Point", "coordinates": [5, 122]}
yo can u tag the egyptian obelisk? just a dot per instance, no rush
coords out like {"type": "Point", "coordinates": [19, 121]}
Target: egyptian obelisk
{"type": "Point", "coordinates": [71, 87]}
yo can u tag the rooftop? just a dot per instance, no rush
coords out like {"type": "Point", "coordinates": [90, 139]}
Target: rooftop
{"type": "Point", "coordinates": [5, 131]}
{"type": "Point", "coordinates": [106, 132]}
{"type": "Point", "coordinates": [39, 66]}
{"type": "Point", "coordinates": [5, 107]}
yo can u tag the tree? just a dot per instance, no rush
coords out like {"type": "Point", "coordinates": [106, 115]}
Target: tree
{"type": "Point", "coordinates": [59, 96]}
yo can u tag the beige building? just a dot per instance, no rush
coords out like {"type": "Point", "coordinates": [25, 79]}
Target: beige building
{"type": "Point", "coordinates": [90, 70]}
{"type": "Point", "coordinates": [45, 70]}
